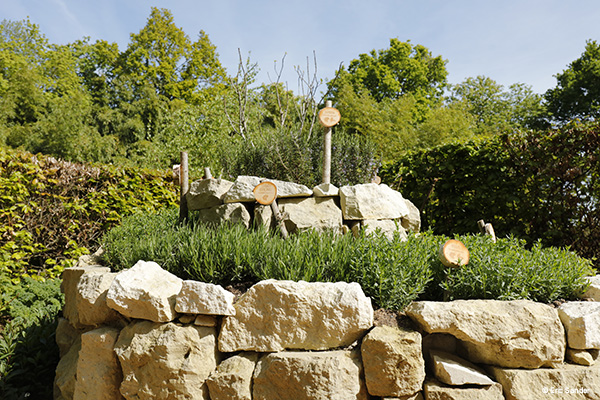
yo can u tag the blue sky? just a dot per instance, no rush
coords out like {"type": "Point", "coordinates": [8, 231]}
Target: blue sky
{"type": "Point", "coordinates": [510, 41]}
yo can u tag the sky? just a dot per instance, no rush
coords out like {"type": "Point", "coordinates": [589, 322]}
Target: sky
{"type": "Point", "coordinates": [509, 41]}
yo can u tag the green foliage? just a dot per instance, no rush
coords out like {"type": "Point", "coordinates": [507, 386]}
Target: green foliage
{"type": "Point", "coordinates": [392, 272]}
{"type": "Point", "coordinates": [577, 92]}
{"type": "Point", "coordinates": [51, 212]}
{"type": "Point", "coordinates": [534, 185]}
{"type": "Point", "coordinates": [28, 312]}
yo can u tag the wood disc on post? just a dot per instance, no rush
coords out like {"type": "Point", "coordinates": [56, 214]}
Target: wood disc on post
{"type": "Point", "coordinates": [329, 116]}
{"type": "Point", "coordinates": [265, 193]}
{"type": "Point", "coordinates": [454, 254]}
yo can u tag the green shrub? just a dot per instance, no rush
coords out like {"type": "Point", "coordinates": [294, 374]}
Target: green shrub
{"type": "Point", "coordinates": [392, 272]}
{"type": "Point", "coordinates": [28, 350]}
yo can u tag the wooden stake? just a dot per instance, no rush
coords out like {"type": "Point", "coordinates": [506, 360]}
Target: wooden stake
{"type": "Point", "coordinates": [279, 219]}
{"type": "Point", "coordinates": [184, 186]}
{"type": "Point", "coordinates": [207, 173]}
{"type": "Point", "coordinates": [327, 150]}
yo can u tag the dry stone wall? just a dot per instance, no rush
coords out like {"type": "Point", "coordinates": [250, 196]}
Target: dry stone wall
{"type": "Point", "coordinates": [145, 334]}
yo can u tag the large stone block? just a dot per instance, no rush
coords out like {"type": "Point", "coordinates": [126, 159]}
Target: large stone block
{"type": "Point", "coordinates": [393, 362]}
{"type": "Point", "coordinates": [145, 291]}
{"type": "Point", "coordinates": [387, 227]}
{"type": "Point", "coordinates": [99, 374]}
{"type": "Point", "coordinates": [318, 213]}
{"type": "Point", "coordinates": [514, 334]}
{"type": "Point", "coordinates": [207, 193]}
{"type": "Point", "coordinates": [91, 299]}
{"type": "Point", "coordinates": [372, 201]}
{"type": "Point", "coordinates": [242, 188]}
{"type": "Point", "coordinates": [233, 378]}
{"type": "Point", "coordinates": [70, 281]}
{"type": "Point", "coordinates": [328, 375]}
{"type": "Point", "coordinates": [66, 371]}
{"type": "Point", "coordinates": [166, 361]}
{"type": "Point", "coordinates": [234, 213]}
{"type": "Point", "coordinates": [204, 298]}
{"type": "Point", "coordinates": [412, 221]}
{"type": "Point", "coordinates": [567, 381]}
{"type": "Point", "coordinates": [277, 315]}
{"type": "Point", "coordinates": [582, 323]}
{"type": "Point", "coordinates": [435, 390]}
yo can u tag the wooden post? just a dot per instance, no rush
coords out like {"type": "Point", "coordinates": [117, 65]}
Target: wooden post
{"type": "Point", "coordinates": [327, 150]}
{"type": "Point", "coordinates": [184, 186]}
{"type": "Point", "coordinates": [279, 219]}
{"type": "Point", "coordinates": [207, 173]}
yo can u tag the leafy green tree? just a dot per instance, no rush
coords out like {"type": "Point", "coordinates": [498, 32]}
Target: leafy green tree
{"type": "Point", "coordinates": [577, 92]}
{"type": "Point", "coordinates": [494, 108]}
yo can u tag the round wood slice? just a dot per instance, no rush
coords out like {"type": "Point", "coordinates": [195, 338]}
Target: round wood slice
{"type": "Point", "coordinates": [454, 254]}
{"type": "Point", "coordinates": [265, 193]}
{"type": "Point", "coordinates": [329, 116]}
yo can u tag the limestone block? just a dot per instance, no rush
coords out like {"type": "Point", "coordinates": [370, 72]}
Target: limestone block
{"type": "Point", "coordinates": [207, 193]}
{"type": "Point", "coordinates": [98, 371]}
{"type": "Point", "coordinates": [412, 221]}
{"type": "Point", "coordinates": [388, 227]}
{"type": "Point", "coordinates": [204, 298]}
{"type": "Point", "coordinates": [277, 315]}
{"type": "Point", "coordinates": [70, 280]}
{"type": "Point", "coordinates": [581, 357]}
{"type": "Point", "coordinates": [326, 190]}
{"type": "Point", "coordinates": [435, 390]}
{"type": "Point", "coordinates": [393, 362]}
{"type": "Point", "coordinates": [327, 375]}
{"type": "Point", "coordinates": [234, 213]}
{"type": "Point", "coordinates": [91, 299]}
{"type": "Point", "coordinates": [582, 323]}
{"type": "Point", "coordinates": [145, 291]}
{"type": "Point", "coordinates": [65, 335]}
{"type": "Point", "coordinates": [242, 188]}
{"type": "Point", "coordinates": [567, 381]}
{"type": "Point", "coordinates": [166, 361]}
{"type": "Point", "coordinates": [263, 216]}
{"type": "Point", "coordinates": [205, 320]}
{"type": "Point", "coordinates": [593, 291]}
{"type": "Point", "coordinates": [514, 334]}
{"type": "Point", "coordinates": [372, 201]}
{"type": "Point", "coordinates": [318, 213]}
{"type": "Point", "coordinates": [455, 371]}
{"type": "Point", "coordinates": [233, 378]}
{"type": "Point", "coordinates": [66, 371]}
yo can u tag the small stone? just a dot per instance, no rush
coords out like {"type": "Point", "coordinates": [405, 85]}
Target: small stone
{"type": "Point", "coordinates": [233, 378]}
{"type": "Point", "coordinates": [593, 291]}
{"type": "Point", "coordinates": [326, 190]}
{"type": "Point", "coordinates": [455, 371]}
{"type": "Point", "coordinates": [205, 320]}
{"type": "Point", "coordinates": [582, 323]}
{"type": "Point", "coordinates": [581, 357]}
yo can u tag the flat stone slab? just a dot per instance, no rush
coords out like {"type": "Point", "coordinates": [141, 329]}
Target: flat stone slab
{"type": "Point", "coordinates": [278, 315]}
{"type": "Point", "coordinates": [455, 371]}
{"type": "Point", "coordinates": [514, 334]}
{"type": "Point", "coordinates": [582, 323]}
{"type": "Point", "coordinates": [242, 189]}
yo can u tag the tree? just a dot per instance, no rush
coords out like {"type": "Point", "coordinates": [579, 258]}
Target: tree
{"type": "Point", "coordinates": [577, 92]}
{"type": "Point", "coordinates": [494, 108]}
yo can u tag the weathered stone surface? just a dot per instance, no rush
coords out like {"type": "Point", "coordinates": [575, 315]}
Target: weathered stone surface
{"type": "Point", "coordinates": [318, 213]}
{"type": "Point", "coordinates": [277, 315]}
{"type": "Point", "coordinates": [372, 201]}
{"type": "Point", "coordinates": [582, 323]}
{"type": "Point", "coordinates": [234, 213]}
{"type": "Point", "coordinates": [205, 320]}
{"type": "Point", "coordinates": [204, 298]}
{"type": "Point", "coordinates": [412, 221]}
{"type": "Point", "coordinates": [66, 371]}
{"type": "Point", "coordinates": [166, 361]}
{"type": "Point", "coordinates": [455, 371]}
{"type": "Point", "coordinates": [145, 291]}
{"type": "Point", "coordinates": [593, 291]}
{"type": "Point", "coordinates": [65, 335]}
{"type": "Point", "coordinates": [438, 391]}
{"type": "Point", "coordinates": [98, 371]}
{"type": "Point", "coordinates": [417, 396]}
{"type": "Point", "coordinates": [207, 193]}
{"type": "Point", "coordinates": [514, 334]}
{"type": "Point", "coordinates": [328, 375]}
{"type": "Point", "coordinates": [242, 188]}
{"type": "Point", "coordinates": [567, 381]}
{"type": "Point", "coordinates": [91, 299]}
{"type": "Point", "coordinates": [70, 280]}
{"type": "Point", "coordinates": [233, 378]}
{"type": "Point", "coordinates": [581, 357]}
{"type": "Point", "coordinates": [326, 190]}
{"type": "Point", "coordinates": [393, 362]}
{"type": "Point", "coordinates": [388, 227]}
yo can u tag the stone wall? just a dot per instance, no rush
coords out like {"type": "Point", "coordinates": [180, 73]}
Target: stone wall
{"type": "Point", "coordinates": [145, 334]}
{"type": "Point", "coordinates": [325, 207]}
